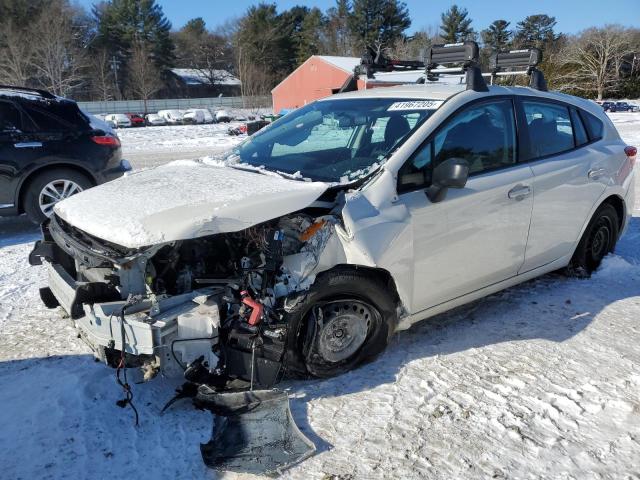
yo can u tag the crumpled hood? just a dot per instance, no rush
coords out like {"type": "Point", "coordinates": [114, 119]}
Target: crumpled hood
{"type": "Point", "coordinates": [183, 200]}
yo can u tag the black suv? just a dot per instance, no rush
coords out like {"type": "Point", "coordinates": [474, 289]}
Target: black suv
{"type": "Point", "coordinates": [49, 150]}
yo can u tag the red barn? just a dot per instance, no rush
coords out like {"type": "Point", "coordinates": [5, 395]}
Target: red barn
{"type": "Point", "coordinates": [316, 78]}
{"type": "Point", "coordinates": [323, 75]}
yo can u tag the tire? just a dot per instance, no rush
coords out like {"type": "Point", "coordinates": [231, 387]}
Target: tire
{"type": "Point", "coordinates": [34, 192]}
{"type": "Point", "coordinates": [598, 240]}
{"type": "Point", "coordinates": [351, 302]}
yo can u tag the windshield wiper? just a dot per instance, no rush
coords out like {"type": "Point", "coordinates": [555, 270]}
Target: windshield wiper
{"type": "Point", "coordinates": [265, 171]}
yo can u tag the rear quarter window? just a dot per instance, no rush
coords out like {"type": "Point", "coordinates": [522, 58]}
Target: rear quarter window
{"type": "Point", "coordinates": [593, 124]}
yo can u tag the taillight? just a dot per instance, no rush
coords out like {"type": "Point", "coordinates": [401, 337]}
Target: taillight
{"type": "Point", "coordinates": [631, 152]}
{"type": "Point", "coordinates": [106, 140]}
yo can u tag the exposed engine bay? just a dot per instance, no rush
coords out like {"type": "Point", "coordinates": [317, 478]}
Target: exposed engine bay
{"type": "Point", "coordinates": [218, 301]}
{"type": "Point", "coordinates": [212, 309]}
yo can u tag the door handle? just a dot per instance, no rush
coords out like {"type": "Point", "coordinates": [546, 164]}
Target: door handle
{"type": "Point", "coordinates": [519, 192]}
{"type": "Point", "coordinates": [28, 145]}
{"type": "Point", "coordinates": [596, 173]}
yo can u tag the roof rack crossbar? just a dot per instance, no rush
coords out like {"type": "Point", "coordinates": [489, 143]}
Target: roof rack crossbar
{"type": "Point", "coordinates": [466, 54]}
{"type": "Point", "coordinates": [40, 92]}
{"type": "Point", "coordinates": [504, 63]}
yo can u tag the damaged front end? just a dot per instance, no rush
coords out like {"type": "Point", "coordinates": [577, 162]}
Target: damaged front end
{"type": "Point", "coordinates": [213, 309]}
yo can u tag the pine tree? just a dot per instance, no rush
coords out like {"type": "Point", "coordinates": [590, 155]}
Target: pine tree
{"type": "Point", "coordinates": [497, 36]}
{"type": "Point", "coordinates": [121, 23]}
{"type": "Point", "coordinates": [339, 41]}
{"type": "Point", "coordinates": [536, 31]}
{"type": "Point", "coordinates": [456, 27]}
{"type": "Point", "coordinates": [378, 23]}
{"type": "Point", "coordinates": [310, 39]}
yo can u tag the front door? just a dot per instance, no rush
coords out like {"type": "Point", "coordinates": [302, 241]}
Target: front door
{"type": "Point", "coordinates": [477, 235]}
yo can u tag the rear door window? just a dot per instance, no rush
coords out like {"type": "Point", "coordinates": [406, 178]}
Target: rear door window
{"type": "Point", "coordinates": [9, 118]}
{"type": "Point", "coordinates": [45, 122]}
{"type": "Point", "coordinates": [549, 126]}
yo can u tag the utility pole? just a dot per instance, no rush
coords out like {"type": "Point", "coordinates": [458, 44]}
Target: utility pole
{"type": "Point", "coordinates": [115, 65]}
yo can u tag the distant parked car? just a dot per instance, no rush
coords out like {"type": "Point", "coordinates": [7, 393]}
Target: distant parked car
{"type": "Point", "coordinates": [50, 150]}
{"type": "Point", "coordinates": [623, 107]}
{"type": "Point", "coordinates": [222, 116]}
{"type": "Point", "coordinates": [136, 120]}
{"type": "Point", "coordinates": [155, 120]}
{"type": "Point", "coordinates": [118, 120]}
{"type": "Point", "coordinates": [172, 117]}
{"type": "Point", "coordinates": [609, 106]}
{"type": "Point", "coordinates": [634, 107]}
{"type": "Point", "coordinates": [193, 116]}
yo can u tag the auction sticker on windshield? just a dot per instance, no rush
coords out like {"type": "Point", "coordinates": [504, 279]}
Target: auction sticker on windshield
{"type": "Point", "coordinates": [415, 105]}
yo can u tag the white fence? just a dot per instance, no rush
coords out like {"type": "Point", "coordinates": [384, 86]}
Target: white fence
{"type": "Point", "coordinates": [137, 106]}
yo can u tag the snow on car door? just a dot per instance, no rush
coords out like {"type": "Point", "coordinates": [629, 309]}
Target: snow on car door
{"type": "Point", "coordinates": [567, 181]}
{"type": "Point", "coordinates": [477, 235]}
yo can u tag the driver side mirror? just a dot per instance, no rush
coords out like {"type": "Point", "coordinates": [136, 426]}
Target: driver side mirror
{"type": "Point", "coordinates": [452, 173]}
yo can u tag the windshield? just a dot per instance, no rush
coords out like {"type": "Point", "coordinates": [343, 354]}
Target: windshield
{"type": "Point", "coordinates": [334, 140]}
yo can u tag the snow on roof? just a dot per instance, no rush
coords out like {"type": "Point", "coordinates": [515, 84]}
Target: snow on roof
{"type": "Point", "coordinates": [343, 63]}
{"type": "Point", "coordinates": [194, 76]}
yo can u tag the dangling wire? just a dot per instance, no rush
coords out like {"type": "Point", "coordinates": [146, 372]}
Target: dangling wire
{"type": "Point", "coordinates": [128, 393]}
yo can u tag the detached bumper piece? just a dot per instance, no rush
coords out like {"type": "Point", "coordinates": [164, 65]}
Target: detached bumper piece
{"type": "Point", "coordinates": [253, 432]}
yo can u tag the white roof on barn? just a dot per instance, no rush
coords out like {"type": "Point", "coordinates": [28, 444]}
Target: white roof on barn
{"type": "Point", "coordinates": [343, 63]}
{"type": "Point", "coordinates": [194, 76]}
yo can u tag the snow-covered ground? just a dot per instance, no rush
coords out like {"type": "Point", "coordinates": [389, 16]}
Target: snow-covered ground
{"type": "Point", "coordinates": [150, 146]}
{"type": "Point", "coordinates": [539, 381]}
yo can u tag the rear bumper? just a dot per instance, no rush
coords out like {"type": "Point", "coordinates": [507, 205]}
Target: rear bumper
{"type": "Point", "coordinates": [122, 168]}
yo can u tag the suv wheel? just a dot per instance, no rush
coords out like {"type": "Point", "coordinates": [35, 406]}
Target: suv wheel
{"type": "Point", "coordinates": [48, 188]}
{"type": "Point", "coordinates": [345, 319]}
{"type": "Point", "coordinates": [598, 240]}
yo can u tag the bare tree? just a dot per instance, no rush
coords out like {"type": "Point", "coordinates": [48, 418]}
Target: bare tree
{"type": "Point", "coordinates": [58, 58]}
{"type": "Point", "coordinates": [255, 80]}
{"type": "Point", "coordinates": [592, 60]}
{"type": "Point", "coordinates": [144, 76]}
{"type": "Point", "coordinates": [16, 53]}
{"type": "Point", "coordinates": [102, 74]}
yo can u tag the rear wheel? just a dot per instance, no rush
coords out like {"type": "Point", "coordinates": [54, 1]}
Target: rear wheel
{"type": "Point", "coordinates": [345, 319]}
{"type": "Point", "coordinates": [48, 188]}
{"type": "Point", "coordinates": [599, 239]}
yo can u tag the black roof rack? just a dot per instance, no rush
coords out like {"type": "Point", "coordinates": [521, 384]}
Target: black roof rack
{"type": "Point", "coordinates": [466, 54]}
{"type": "Point", "coordinates": [372, 62]}
{"type": "Point", "coordinates": [462, 57]}
{"type": "Point", "coordinates": [42, 93]}
{"type": "Point", "coordinates": [508, 62]}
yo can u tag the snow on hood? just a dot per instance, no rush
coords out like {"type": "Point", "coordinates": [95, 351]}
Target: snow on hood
{"type": "Point", "coordinates": [183, 200]}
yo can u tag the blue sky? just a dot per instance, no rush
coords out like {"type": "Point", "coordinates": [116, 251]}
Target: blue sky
{"type": "Point", "coordinates": [571, 15]}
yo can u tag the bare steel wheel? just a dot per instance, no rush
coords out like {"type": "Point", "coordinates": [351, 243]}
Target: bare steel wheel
{"type": "Point", "coordinates": [598, 240]}
{"type": "Point", "coordinates": [47, 188]}
{"type": "Point", "coordinates": [342, 328]}
{"type": "Point", "coordinates": [343, 320]}
{"type": "Point", "coordinates": [55, 191]}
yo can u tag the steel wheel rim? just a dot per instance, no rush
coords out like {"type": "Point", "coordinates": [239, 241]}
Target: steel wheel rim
{"type": "Point", "coordinates": [600, 240]}
{"type": "Point", "coordinates": [55, 191]}
{"type": "Point", "coordinates": [343, 329]}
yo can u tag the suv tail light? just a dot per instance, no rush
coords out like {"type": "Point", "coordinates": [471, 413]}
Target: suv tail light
{"type": "Point", "coordinates": [631, 152]}
{"type": "Point", "coordinates": [106, 140]}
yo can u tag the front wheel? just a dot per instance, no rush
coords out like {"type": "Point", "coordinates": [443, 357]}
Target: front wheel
{"type": "Point", "coordinates": [345, 319]}
{"type": "Point", "coordinates": [598, 240]}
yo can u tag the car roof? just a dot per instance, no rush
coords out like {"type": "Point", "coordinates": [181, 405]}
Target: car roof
{"type": "Point", "coordinates": [444, 91]}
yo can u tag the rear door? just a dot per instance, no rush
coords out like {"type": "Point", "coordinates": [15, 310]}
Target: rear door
{"type": "Point", "coordinates": [570, 172]}
{"type": "Point", "coordinates": [477, 235]}
{"type": "Point", "coordinates": [18, 151]}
